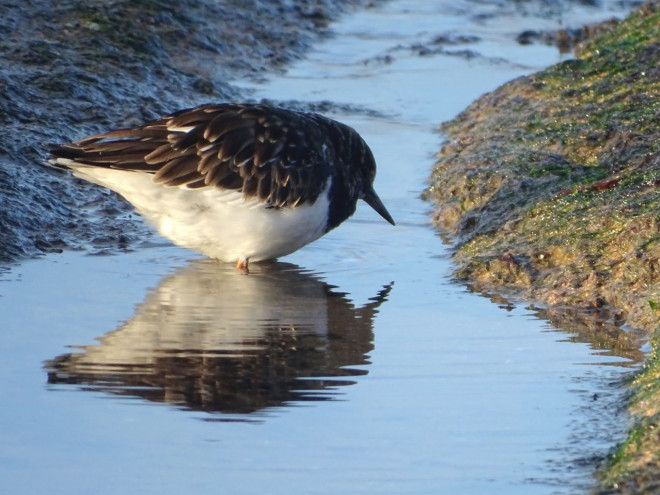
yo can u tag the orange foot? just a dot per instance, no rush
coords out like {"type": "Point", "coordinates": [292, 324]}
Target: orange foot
{"type": "Point", "coordinates": [242, 265]}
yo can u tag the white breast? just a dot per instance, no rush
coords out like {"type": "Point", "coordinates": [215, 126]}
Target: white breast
{"type": "Point", "coordinates": [218, 223]}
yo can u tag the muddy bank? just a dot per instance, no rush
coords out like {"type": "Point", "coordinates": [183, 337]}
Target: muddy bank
{"type": "Point", "coordinates": [550, 183]}
{"type": "Point", "coordinates": [73, 68]}
{"type": "Point", "coordinates": [550, 188]}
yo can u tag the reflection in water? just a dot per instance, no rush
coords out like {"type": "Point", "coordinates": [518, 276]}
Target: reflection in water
{"type": "Point", "coordinates": [604, 332]}
{"type": "Point", "coordinates": [212, 339]}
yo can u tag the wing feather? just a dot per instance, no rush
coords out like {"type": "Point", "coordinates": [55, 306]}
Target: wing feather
{"type": "Point", "coordinates": [223, 176]}
{"type": "Point", "coordinates": [171, 173]}
{"type": "Point", "coordinates": [278, 156]}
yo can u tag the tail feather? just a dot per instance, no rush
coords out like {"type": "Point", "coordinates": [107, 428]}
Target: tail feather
{"type": "Point", "coordinates": [119, 154]}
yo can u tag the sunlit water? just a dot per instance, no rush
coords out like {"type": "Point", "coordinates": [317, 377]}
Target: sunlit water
{"type": "Point", "coordinates": [352, 366]}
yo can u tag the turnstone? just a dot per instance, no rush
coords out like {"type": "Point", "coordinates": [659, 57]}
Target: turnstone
{"type": "Point", "coordinates": [236, 182]}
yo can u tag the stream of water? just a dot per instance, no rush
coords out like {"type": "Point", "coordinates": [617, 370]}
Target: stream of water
{"type": "Point", "coordinates": [352, 366]}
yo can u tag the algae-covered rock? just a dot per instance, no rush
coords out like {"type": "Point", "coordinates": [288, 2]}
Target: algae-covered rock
{"type": "Point", "coordinates": [635, 467]}
{"type": "Point", "coordinates": [550, 185]}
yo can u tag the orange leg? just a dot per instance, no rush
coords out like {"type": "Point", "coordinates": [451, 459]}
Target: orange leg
{"type": "Point", "coordinates": [242, 265]}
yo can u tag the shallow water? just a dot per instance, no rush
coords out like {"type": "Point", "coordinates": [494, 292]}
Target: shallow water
{"type": "Point", "coordinates": [352, 366]}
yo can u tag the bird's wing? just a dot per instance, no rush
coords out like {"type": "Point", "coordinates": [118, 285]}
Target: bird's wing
{"type": "Point", "coordinates": [278, 156]}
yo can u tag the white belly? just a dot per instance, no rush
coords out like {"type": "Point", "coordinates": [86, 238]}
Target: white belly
{"type": "Point", "coordinates": [220, 224]}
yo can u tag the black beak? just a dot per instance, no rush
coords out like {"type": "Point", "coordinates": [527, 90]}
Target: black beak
{"type": "Point", "coordinates": [372, 199]}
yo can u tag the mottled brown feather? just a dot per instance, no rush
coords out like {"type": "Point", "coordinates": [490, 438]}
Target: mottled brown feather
{"type": "Point", "coordinates": [182, 166]}
{"type": "Point", "coordinates": [278, 156]}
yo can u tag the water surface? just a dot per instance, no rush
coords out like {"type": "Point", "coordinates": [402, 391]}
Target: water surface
{"type": "Point", "coordinates": [352, 366]}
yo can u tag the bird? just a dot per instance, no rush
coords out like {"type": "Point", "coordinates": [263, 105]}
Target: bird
{"type": "Point", "coordinates": [238, 182]}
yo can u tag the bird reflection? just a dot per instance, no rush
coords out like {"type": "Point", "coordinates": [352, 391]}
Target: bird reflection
{"type": "Point", "coordinates": [209, 338]}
